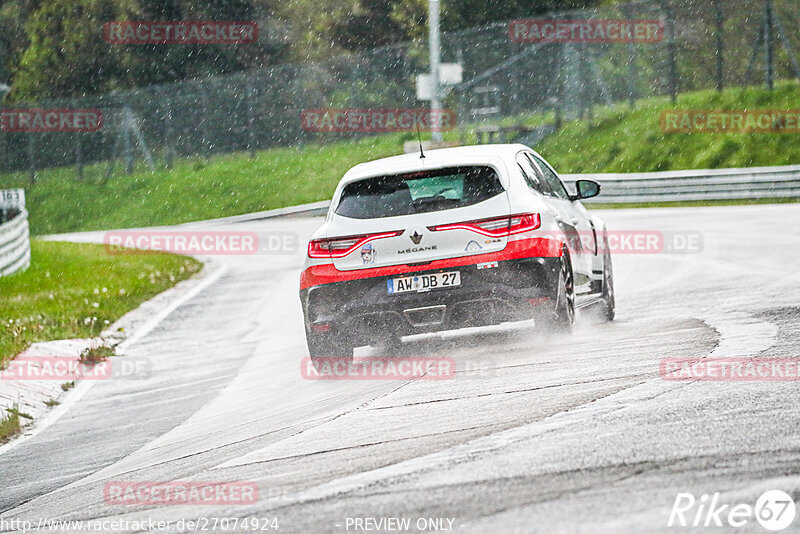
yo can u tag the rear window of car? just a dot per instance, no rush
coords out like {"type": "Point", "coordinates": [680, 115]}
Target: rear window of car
{"type": "Point", "coordinates": [418, 192]}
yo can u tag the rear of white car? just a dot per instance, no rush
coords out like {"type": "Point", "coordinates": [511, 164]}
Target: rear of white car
{"type": "Point", "coordinates": [414, 244]}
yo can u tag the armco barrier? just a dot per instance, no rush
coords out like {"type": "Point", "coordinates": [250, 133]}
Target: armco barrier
{"type": "Point", "coordinates": [671, 186]}
{"type": "Point", "coordinates": [630, 188]}
{"type": "Point", "coordinates": [15, 246]}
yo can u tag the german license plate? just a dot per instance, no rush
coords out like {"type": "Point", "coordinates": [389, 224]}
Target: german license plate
{"type": "Point", "coordinates": [423, 282]}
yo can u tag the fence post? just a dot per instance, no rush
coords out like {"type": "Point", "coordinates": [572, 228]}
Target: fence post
{"type": "Point", "coordinates": [769, 67]}
{"type": "Point", "coordinates": [720, 20]}
{"type": "Point", "coordinates": [628, 13]}
{"type": "Point", "coordinates": [560, 83]}
{"type": "Point", "coordinates": [204, 135]}
{"type": "Point", "coordinates": [582, 84]}
{"type": "Point", "coordinates": [169, 152]}
{"type": "Point", "coordinates": [251, 135]}
{"type": "Point", "coordinates": [673, 68]}
{"type": "Point", "coordinates": [78, 156]}
{"type": "Point", "coordinates": [462, 116]}
{"type": "Point", "coordinates": [31, 161]}
{"type": "Point", "coordinates": [126, 137]}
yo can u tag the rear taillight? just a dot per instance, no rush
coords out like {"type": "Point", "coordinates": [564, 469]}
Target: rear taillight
{"type": "Point", "coordinates": [496, 226]}
{"type": "Point", "coordinates": [339, 247]}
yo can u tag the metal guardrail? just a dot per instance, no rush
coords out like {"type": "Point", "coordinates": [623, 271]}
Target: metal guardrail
{"type": "Point", "coordinates": [15, 245]}
{"type": "Point", "coordinates": [630, 188]}
{"type": "Point", "coordinates": [676, 186]}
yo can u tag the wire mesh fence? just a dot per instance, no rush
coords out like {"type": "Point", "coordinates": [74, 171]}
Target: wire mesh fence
{"type": "Point", "coordinates": [706, 44]}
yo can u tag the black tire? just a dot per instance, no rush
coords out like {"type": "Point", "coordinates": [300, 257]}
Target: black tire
{"type": "Point", "coordinates": [561, 316]}
{"type": "Point", "coordinates": [609, 306]}
{"type": "Point", "coordinates": [565, 297]}
{"type": "Point", "coordinates": [329, 345]}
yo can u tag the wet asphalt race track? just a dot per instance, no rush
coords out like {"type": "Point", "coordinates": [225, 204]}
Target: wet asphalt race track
{"type": "Point", "coordinates": [533, 434]}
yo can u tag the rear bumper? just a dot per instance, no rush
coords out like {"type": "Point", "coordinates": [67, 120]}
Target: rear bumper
{"type": "Point", "coordinates": [364, 310]}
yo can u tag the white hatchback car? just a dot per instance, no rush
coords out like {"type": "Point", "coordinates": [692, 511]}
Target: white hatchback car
{"type": "Point", "coordinates": [464, 236]}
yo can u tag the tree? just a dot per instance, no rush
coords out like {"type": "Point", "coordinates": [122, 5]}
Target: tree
{"type": "Point", "coordinates": [369, 24]}
{"type": "Point", "coordinates": [379, 22]}
{"type": "Point", "coordinates": [460, 14]}
{"type": "Point", "coordinates": [13, 39]}
{"type": "Point", "coordinates": [66, 54]}
{"type": "Point", "coordinates": [55, 48]}
{"type": "Point", "coordinates": [159, 63]}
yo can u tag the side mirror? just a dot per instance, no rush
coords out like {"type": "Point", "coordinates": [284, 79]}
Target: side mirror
{"type": "Point", "coordinates": [586, 189]}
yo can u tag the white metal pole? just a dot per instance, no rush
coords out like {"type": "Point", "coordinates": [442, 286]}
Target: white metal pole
{"type": "Point", "coordinates": [433, 23]}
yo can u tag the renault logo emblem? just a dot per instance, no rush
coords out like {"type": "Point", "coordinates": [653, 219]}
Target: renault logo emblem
{"type": "Point", "coordinates": [416, 237]}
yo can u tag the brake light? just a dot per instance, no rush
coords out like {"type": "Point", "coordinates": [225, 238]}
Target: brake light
{"type": "Point", "coordinates": [496, 226]}
{"type": "Point", "coordinates": [339, 247]}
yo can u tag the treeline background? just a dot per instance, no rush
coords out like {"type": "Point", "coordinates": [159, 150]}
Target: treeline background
{"type": "Point", "coordinates": [55, 48]}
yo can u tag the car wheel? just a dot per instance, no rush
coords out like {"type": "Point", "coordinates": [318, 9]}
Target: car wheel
{"type": "Point", "coordinates": [326, 346]}
{"type": "Point", "coordinates": [609, 310]}
{"type": "Point", "coordinates": [561, 317]}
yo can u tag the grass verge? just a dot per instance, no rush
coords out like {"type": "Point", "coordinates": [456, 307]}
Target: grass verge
{"type": "Point", "coordinates": [94, 355]}
{"type": "Point", "coordinates": [194, 189]}
{"type": "Point", "coordinates": [622, 140]}
{"type": "Point", "coordinates": [77, 290]}
{"type": "Point", "coordinates": [9, 425]}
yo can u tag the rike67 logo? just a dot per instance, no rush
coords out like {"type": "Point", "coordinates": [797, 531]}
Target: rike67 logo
{"type": "Point", "coordinates": [774, 510]}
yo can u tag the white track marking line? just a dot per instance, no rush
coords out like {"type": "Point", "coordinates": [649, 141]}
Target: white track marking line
{"type": "Point", "coordinates": [83, 387]}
